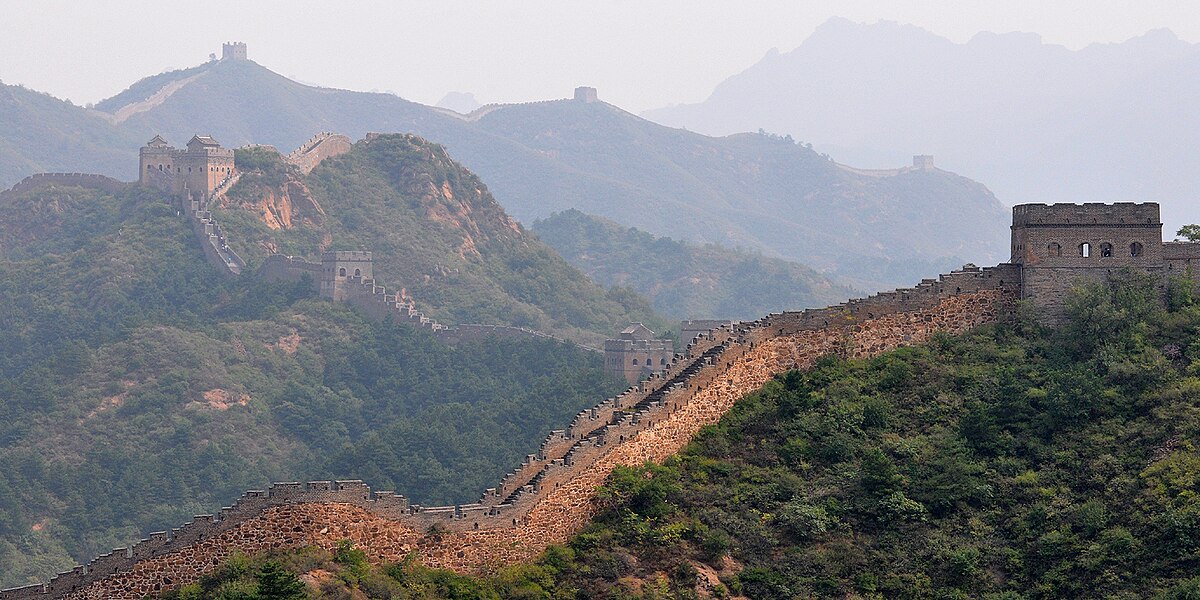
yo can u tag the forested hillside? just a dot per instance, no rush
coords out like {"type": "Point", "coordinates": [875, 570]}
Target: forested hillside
{"type": "Point", "coordinates": [686, 281]}
{"type": "Point", "coordinates": [1011, 463]}
{"type": "Point", "coordinates": [138, 386]}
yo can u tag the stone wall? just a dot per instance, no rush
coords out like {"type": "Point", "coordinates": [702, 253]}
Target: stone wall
{"type": "Point", "coordinates": [549, 497]}
{"type": "Point", "coordinates": [320, 147]}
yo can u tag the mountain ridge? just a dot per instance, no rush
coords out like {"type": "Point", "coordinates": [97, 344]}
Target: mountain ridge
{"type": "Point", "coordinates": [555, 155]}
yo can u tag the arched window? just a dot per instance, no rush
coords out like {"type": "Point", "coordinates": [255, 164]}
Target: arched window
{"type": "Point", "coordinates": [342, 272]}
{"type": "Point", "coordinates": [358, 272]}
{"type": "Point", "coordinates": [1054, 249]}
{"type": "Point", "coordinates": [1106, 250]}
{"type": "Point", "coordinates": [635, 361]}
{"type": "Point", "coordinates": [662, 361]}
{"type": "Point", "coordinates": [1085, 250]}
{"type": "Point", "coordinates": [1135, 249]}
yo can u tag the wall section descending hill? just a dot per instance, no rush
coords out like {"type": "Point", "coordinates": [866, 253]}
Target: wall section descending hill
{"type": "Point", "coordinates": [549, 497]}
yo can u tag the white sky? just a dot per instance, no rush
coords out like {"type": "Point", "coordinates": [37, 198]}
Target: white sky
{"type": "Point", "coordinates": [640, 53]}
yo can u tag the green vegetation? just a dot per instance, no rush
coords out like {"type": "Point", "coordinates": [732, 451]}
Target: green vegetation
{"type": "Point", "coordinates": [139, 386]}
{"type": "Point", "coordinates": [1010, 463]}
{"type": "Point", "coordinates": [683, 280]}
{"type": "Point", "coordinates": [434, 230]}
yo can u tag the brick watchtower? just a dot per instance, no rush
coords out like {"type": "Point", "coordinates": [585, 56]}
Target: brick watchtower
{"type": "Point", "coordinates": [233, 51]}
{"type": "Point", "coordinates": [1058, 245]}
{"type": "Point", "coordinates": [342, 268]}
{"type": "Point", "coordinates": [636, 353]}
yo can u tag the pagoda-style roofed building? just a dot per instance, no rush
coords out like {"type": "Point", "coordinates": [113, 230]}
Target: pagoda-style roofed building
{"type": "Point", "coordinates": [191, 174]}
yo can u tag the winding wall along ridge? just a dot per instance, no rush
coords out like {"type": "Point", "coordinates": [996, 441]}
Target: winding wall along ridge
{"type": "Point", "coordinates": [549, 497]}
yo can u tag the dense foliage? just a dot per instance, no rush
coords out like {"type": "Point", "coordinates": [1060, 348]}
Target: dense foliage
{"type": "Point", "coordinates": [139, 387]}
{"type": "Point", "coordinates": [434, 230]}
{"type": "Point", "coordinates": [686, 281]}
{"type": "Point", "coordinates": [1010, 463]}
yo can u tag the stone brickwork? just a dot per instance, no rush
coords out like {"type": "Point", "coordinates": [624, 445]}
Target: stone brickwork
{"type": "Point", "coordinates": [320, 147]}
{"type": "Point", "coordinates": [688, 330]}
{"type": "Point", "coordinates": [636, 353]}
{"type": "Point", "coordinates": [549, 496]}
{"type": "Point", "coordinates": [193, 173]}
{"type": "Point", "coordinates": [1060, 245]}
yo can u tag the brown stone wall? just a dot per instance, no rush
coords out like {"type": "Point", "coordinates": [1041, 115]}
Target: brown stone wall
{"type": "Point", "coordinates": [736, 362]}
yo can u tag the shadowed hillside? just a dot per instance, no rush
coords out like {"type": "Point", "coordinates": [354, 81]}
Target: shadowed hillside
{"type": "Point", "coordinates": [682, 280]}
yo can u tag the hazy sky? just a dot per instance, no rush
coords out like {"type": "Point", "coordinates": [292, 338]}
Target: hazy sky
{"type": "Point", "coordinates": [640, 54]}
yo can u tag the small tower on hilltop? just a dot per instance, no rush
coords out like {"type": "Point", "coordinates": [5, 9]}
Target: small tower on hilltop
{"type": "Point", "coordinates": [636, 353]}
{"type": "Point", "coordinates": [340, 269]}
{"type": "Point", "coordinates": [233, 51]}
{"type": "Point", "coordinates": [923, 162]}
{"type": "Point", "coordinates": [587, 95]}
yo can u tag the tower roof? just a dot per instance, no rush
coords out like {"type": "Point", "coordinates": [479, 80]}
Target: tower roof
{"type": "Point", "coordinates": [157, 142]}
{"type": "Point", "coordinates": [203, 140]}
{"type": "Point", "coordinates": [637, 331]}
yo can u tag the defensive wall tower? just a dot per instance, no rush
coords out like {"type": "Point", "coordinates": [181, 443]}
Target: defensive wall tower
{"type": "Point", "coordinates": [191, 174]}
{"type": "Point", "coordinates": [233, 51]}
{"type": "Point", "coordinates": [1060, 245]}
{"type": "Point", "coordinates": [343, 268]}
{"type": "Point", "coordinates": [636, 353]}
{"type": "Point", "coordinates": [586, 95]}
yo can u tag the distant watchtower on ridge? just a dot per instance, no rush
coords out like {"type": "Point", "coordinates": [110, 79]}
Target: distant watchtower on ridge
{"type": "Point", "coordinates": [585, 94]}
{"type": "Point", "coordinates": [636, 353]}
{"type": "Point", "coordinates": [233, 51]}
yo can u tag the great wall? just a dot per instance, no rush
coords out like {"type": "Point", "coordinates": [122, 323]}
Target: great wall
{"type": "Point", "coordinates": [549, 496]}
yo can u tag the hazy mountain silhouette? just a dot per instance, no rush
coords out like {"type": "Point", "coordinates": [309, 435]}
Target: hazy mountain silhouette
{"type": "Point", "coordinates": [759, 192]}
{"type": "Point", "coordinates": [1034, 121]}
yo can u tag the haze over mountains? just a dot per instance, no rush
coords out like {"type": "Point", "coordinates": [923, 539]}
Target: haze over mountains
{"type": "Point", "coordinates": [1036, 122]}
{"type": "Point", "coordinates": [760, 192]}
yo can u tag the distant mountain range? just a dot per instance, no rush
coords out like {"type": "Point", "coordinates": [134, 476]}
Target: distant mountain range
{"type": "Point", "coordinates": [686, 281]}
{"type": "Point", "coordinates": [760, 192]}
{"type": "Point", "coordinates": [1035, 121]}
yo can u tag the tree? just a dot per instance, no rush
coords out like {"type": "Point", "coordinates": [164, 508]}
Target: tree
{"type": "Point", "coordinates": [277, 583]}
{"type": "Point", "coordinates": [1189, 232]}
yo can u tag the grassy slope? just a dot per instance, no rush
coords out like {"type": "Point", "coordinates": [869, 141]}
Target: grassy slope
{"type": "Point", "coordinates": [684, 280]}
{"type": "Point", "coordinates": [139, 387]}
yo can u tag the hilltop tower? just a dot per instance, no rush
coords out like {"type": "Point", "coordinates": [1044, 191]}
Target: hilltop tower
{"type": "Point", "coordinates": [1058, 245]}
{"type": "Point", "coordinates": [342, 268]}
{"type": "Point", "coordinates": [233, 51]}
{"type": "Point", "coordinates": [923, 162]}
{"type": "Point", "coordinates": [636, 353]}
{"type": "Point", "coordinates": [190, 174]}
{"type": "Point", "coordinates": [586, 95]}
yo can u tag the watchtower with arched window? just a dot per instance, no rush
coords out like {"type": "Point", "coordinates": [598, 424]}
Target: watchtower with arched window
{"type": "Point", "coordinates": [1057, 245]}
{"type": "Point", "coordinates": [342, 268]}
